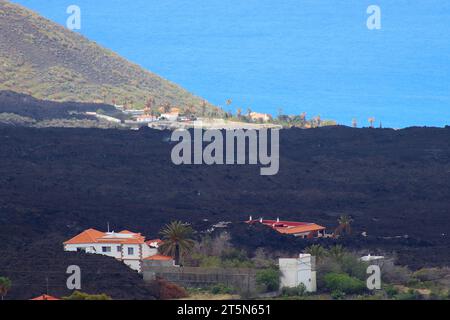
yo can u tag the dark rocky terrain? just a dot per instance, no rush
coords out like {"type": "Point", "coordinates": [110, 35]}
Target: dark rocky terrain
{"type": "Point", "coordinates": [56, 182]}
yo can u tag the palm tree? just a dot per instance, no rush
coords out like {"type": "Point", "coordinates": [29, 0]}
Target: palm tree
{"type": "Point", "coordinates": [5, 285]}
{"type": "Point", "coordinates": [203, 107]}
{"type": "Point", "coordinates": [239, 112]}
{"type": "Point", "coordinates": [336, 252]}
{"type": "Point", "coordinates": [165, 107]}
{"type": "Point", "coordinates": [344, 225]}
{"type": "Point", "coordinates": [319, 121]}
{"type": "Point", "coordinates": [316, 250]}
{"type": "Point", "coordinates": [177, 240]}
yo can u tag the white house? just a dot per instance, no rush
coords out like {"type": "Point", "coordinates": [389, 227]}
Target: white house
{"type": "Point", "coordinates": [172, 116]}
{"type": "Point", "coordinates": [298, 270]}
{"type": "Point", "coordinates": [126, 246]}
{"type": "Point", "coordinates": [146, 118]}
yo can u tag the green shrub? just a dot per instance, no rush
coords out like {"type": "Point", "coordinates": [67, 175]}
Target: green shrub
{"type": "Point", "coordinates": [337, 295]}
{"type": "Point", "coordinates": [410, 295]}
{"type": "Point", "coordinates": [343, 282]}
{"type": "Point", "coordinates": [391, 291]}
{"type": "Point", "coordinates": [269, 279]}
{"type": "Point", "coordinates": [300, 290]}
{"type": "Point", "coordinates": [78, 295]}
{"type": "Point", "coordinates": [221, 288]}
{"type": "Point", "coordinates": [351, 265]}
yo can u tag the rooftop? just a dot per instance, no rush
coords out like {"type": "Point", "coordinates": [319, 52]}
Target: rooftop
{"type": "Point", "coordinates": [95, 236]}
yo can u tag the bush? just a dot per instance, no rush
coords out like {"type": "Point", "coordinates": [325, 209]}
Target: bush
{"type": "Point", "coordinates": [269, 279]}
{"type": "Point", "coordinates": [351, 265]}
{"type": "Point", "coordinates": [78, 295]}
{"type": "Point", "coordinates": [343, 282]}
{"type": "Point", "coordinates": [300, 290]}
{"type": "Point", "coordinates": [165, 290]}
{"type": "Point", "coordinates": [410, 295]}
{"type": "Point", "coordinates": [338, 295]}
{"type": "Point", "coordinates": [391, 291]}
{"type": "Point", "coordinates": [221, 288]}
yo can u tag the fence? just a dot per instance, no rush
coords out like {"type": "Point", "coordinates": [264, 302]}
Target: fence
{"type": "Point", "coordinates": [242, 279]}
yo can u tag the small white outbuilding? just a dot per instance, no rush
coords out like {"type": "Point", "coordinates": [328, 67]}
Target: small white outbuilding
{"type": "Point", "coordinates": [295, 271]}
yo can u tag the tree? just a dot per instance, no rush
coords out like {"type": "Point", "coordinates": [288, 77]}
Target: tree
{"type": "Point", "coordinates": [344, 225]}
{"type": "Point", "coordinates": [269, 279]}
{"type": "Point", "coordinates": [5, 285]}
{"type": "Point", "coordinates": [165, 107]}
{"type": "Point", "coordinates": [344, 283]}
{"type": "Point", "coordinates": [203, 107]}
{"type": "Point", "coordinates": [337, 252]}
{"type": "Point", "coordinates": [249, 113]}
{"type": "Point", "coordinates": [229, 102]}
{"type": "Point", "coordinates": [239, 113]}
{"type": "Point", "coordinates": [303, 119]}
{"type": "Point", "coordinates": [177, 240]}
{"type": "Point", "coordinates": [78, 295]}
{"type": "Point", "coordinates": [319, 121]}
{"type": "Point", "coordinates": [317, 251]}
{"type": "Point", "coordinates": [148, 106]}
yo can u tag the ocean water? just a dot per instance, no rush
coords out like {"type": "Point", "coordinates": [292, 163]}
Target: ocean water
{"type": "Point", "coordinates": [316, 56]}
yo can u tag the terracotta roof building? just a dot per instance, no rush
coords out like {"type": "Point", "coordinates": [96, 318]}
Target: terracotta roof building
{"type": "Point", "coordinates": [298, 229]}
{"type": "Point", "coordinates": [46, 297]}
{"type": "Point", "coordinates": [126, 246]}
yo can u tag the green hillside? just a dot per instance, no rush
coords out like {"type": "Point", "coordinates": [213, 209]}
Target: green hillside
{"type": "Point", "coordinates": [46, 60]}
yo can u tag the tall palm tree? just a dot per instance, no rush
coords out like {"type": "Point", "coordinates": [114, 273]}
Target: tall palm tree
{"type": "Point", "coordinates": [344, 225]}
{"type": "Point", "coordinates": [316, 250]}
{"type": "Point", "coordinates": [203, 107]}
{"type": "Point", "coordinates": [177, 240]}
{"type": "Point", "coordinates": [5, 285]}
{"type": "Point", "coordinates": [239, 112]}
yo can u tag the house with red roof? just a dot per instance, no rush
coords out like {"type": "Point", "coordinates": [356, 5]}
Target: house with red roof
{"type": "Point", "coordinates": [297, 229]}
{"type": "Point", "coordinates": [46, 297]}
{"type": "Point", "coordinates": [126, 246]}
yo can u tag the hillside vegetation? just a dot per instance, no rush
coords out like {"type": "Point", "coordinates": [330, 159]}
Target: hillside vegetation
{"type": "Point", "coordinates": [46, 60]}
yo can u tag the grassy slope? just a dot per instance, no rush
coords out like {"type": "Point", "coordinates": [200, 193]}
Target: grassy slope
{"type": "Point", "coordinates": [46, 60]}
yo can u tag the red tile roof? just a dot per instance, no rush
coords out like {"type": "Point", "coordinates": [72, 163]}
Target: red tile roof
{"type": "Point", "coordinates": [301, 229]}
{"type": "Point", "coordinates": [45, 297]}
{"type": "Point", "coordinates": [95, 236]}
{"type": "Point", "coordinates": [289, 227]}
{"type": "Point", "coordinates": [159, 257]}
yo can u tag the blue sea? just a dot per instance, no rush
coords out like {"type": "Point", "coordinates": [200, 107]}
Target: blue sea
{"type": "Point", "coordinates": [316, 56]}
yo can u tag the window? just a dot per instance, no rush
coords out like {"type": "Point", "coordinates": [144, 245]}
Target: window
{"type": "Point", "coordinates": [106, 249]}
{"type": "Point", "coordinates": [119, 249]}
{"type": "Point", "coordinates": [130, 251]}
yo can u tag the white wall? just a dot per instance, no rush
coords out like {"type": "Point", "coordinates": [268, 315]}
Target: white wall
{"type": "Point", "coordinates": [297, 271]}
{"type": "Point", "coordinates": [132, 260]}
